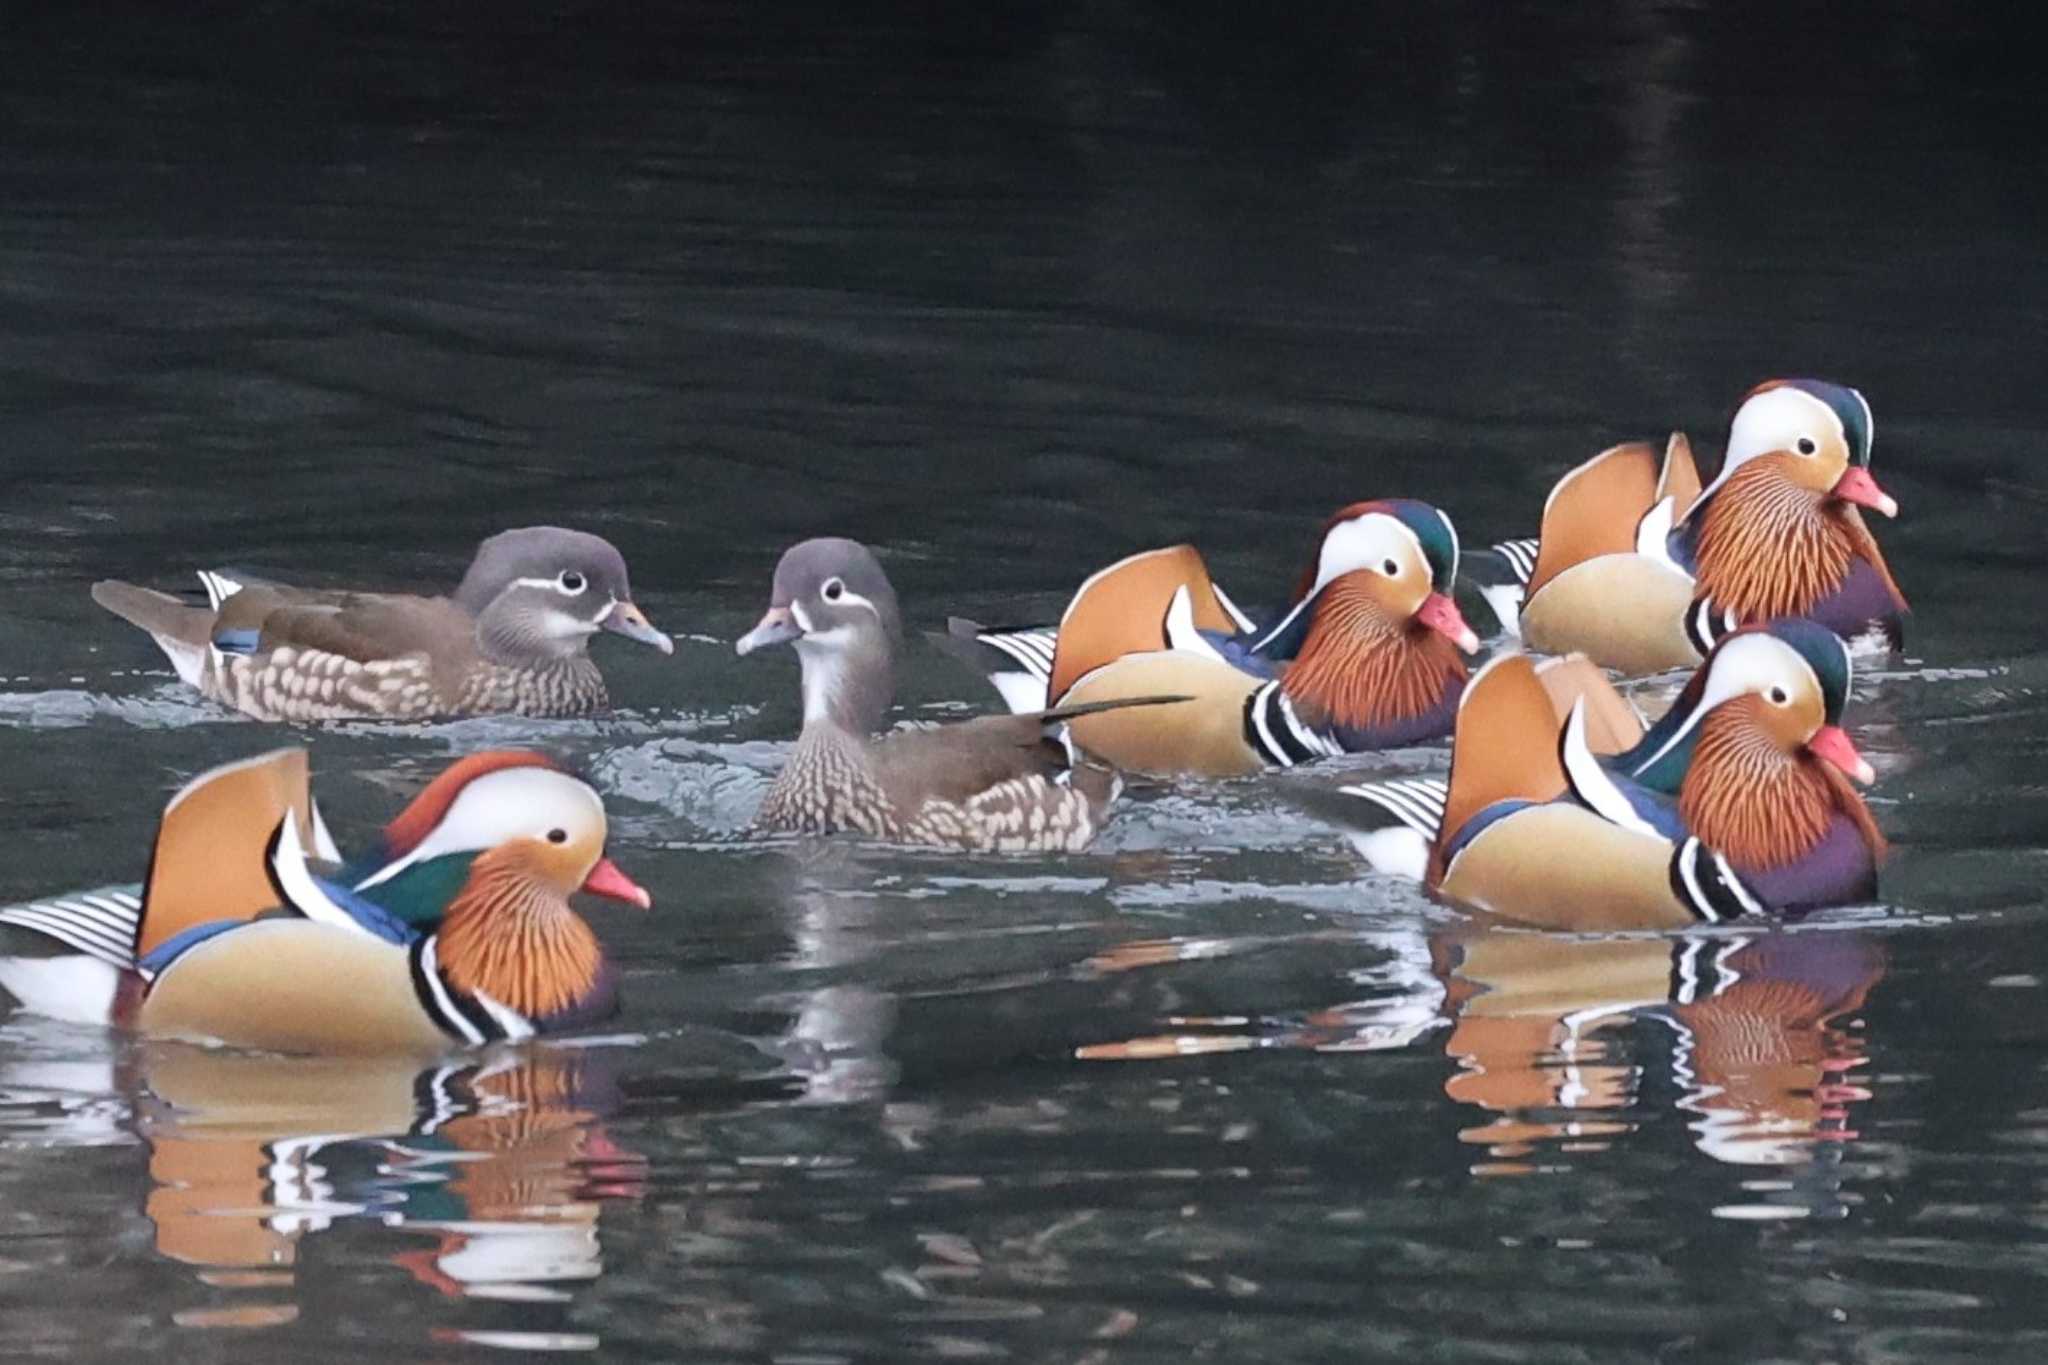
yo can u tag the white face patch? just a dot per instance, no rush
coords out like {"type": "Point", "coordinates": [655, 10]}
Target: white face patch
{"type": "Point", "coordinates": [1774, 420]}
{"type": "Point", "coordinates": [1373, 542]}
{"type": "Point", "coordinates": [512, 803]}
{"type": "Point", "coordinates": [560, 625]}
{"type": "Point", "coordinates": [1746, 665]}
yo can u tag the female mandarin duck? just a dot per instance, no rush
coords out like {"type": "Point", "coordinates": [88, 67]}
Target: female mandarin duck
{"type": "Point", "coordinates": [457, 932]}
{"type": "Point", "coordinates": [1642, 570]}
{"type": "Point", "coordinates": [1736, 803]}
{"type": "Point", "coordinates": [1366, 658]}
{"type": "Point", "coordinates": [513, 637]}
{"type": "Point", "coordinates": [996, 783]}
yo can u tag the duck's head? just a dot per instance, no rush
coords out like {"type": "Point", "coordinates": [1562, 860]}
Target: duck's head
{"type": "Point", "coordinates": [1812, 434]}
{"type": "Point", "coordinates": [1791, 679]}
{"type": "Point", "coordinates": [513, 813]}
{"type": "Point", "coordinates": [831, 600]}
{"type": "Point", "coordinates": [1397, 554]}
{"type": "Point", "coordinates": [542, 592]}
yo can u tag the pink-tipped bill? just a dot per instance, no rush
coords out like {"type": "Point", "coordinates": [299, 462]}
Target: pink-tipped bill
{"type": "Point", "coordinates": [1832, 742]}
{"type": "Point", "coordinates": [1858, 487]}
{"type": "Point", "coordinates": [1441, 614]}
{"type": "Point", "coordinates": [606, 880]}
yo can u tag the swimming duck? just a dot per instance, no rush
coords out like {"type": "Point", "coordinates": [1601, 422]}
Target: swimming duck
{"type": "Point", "coordinates": [1736, 803]}
{"type": "Point", "coordinates": [512, 638]}
{"type": "Point", "coordinates": [996, 783]}
{"type": "Point", "coordinates": [1366, 657]}
{"type": "Point", "coordinates": [1642, 569]}
{"type": "Point", "coordinates": [457, 932]}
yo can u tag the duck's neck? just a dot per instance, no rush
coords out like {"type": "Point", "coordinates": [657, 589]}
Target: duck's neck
{"type": "Point", "coordinates": [847, 687]}
{"type": "Point", "coordinates": [506, 935]}
{"type": "Point", "coordinates": [1759, 806]}
{"type": "Point", "coordinates": [1361, 668]}
{"type": "Point", "coordinates": [1768, 548]}
{"type": "Point", "coordinates": [420, 894]}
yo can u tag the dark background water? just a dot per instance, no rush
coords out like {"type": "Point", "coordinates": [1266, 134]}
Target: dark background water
{"type": "Point", "coordinates": [1007, 290]}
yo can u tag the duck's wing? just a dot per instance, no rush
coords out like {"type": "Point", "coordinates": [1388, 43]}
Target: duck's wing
{"type": "Point", "coordinates": [364, 627]}
{"type": "Point", "coordinates": [212, 860]}
{"type": "Point", "coordinates": [959, 762]}
{"type": "Point", "coordinates": [1124, 609]}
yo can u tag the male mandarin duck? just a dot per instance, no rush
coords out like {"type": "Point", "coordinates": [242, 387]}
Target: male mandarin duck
{"type": "Point", "coordinates": [1736, 803]}
{"type": "Point", "coordinates": [1367, 657]}
{"type": "Point", "coordinates": [1642, 569]}
{"type": "Point", "coordinates": [996, 783]}
{"type": "Point", "coordinates": [512, 638]}
{"type": "Point", "coordinates": [457, 932]}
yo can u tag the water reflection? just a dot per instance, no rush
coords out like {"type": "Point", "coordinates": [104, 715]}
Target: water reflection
{"type": "Point", "coordinates": [1757, 1035]}
{"type": "Point", "coordinates": [500, 1164]}
{"type": "Point", "coordinates": [1565, 1045]}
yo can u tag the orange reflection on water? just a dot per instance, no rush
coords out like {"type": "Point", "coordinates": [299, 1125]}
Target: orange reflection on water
{"type": "Point", "coordinates": [502, 1161]}
{"type": "Point", "coordinates": [1553, 1036]}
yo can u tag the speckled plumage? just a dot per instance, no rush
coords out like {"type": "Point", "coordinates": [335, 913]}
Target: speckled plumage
{"type": "Point", "coordinates": [833, 784]}
{"type": "Point", "coordinates": [512, 639]}
{"type": "Point", "coordinates": [993, 784]}
{"type": "Point", "coordinates": [289, 684]}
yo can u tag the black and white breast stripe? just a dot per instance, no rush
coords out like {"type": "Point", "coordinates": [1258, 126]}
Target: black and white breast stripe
{"type": "Point", "coordinates": [1032, 649]}
{"type": "Point", "coordinates": [1520, 556]}
{"type": "Point", "coordinates": [1707, 886]}
{"type": "Point", "coordinates": [473, 1019]}
{"type": "Point", "coordinates": [1417, 802]}
{"type": "Point", "coordinates": [1277, 735]}
{"type": "Point", "coordinates": [100, 924]}
{"type": "Point", "coordinates": [1704, 624]}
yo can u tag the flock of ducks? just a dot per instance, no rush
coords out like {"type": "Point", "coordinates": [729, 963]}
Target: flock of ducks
{"type": "Point", "coordinates": [1561, 809]}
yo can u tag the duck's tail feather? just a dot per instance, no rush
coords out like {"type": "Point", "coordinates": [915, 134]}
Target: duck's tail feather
{"type": "Point", "coordinates": [99, 923]}
{"type": "Point", "coordinates": [1393, 824]}
{"type": "Point", "coordinates": [1016, 659]}
{"type": "Point", "coordinates": [183, 632]}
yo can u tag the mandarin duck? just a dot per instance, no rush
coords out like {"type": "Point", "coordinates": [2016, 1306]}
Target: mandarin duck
{"type": "Point", "coordinates": [1642, 569]}
{"type": "Point", "coordinates": [995, 783]}
{"type": "Point", "coordinates": [1736, 803]}
{"type": "Point", "coordinates": [512, 638]}
{"type": "Point", "coordinates": [1367, 657]}
{"type": "Point", "coordinates": [457, 932]}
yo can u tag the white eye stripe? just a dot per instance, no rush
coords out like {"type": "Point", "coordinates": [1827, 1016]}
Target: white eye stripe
{"type": "Point", "coordinates": [557, 584]}
{"type": "Point", "coordinates": [1749, 664]}
{"type": "Point", "coordinates": [1369, 541]}
{"type": "Point", "coordinates": [1776, 419]}
{"type": "Point", "coordinates": [521, 802]}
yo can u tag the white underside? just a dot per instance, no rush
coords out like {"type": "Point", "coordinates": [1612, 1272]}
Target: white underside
{"type": "Point", "coordinates": [189, 659]}
{"type": "Point", "coordinates": [1022, 692]}
{"type": "Point", "coordinates": [1400, 852]}
{"type": "Point", "coordinates": [77, 990]}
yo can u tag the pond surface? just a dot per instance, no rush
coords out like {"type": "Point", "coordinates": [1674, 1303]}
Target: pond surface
{"type": "Point", "coordinates": [336, 290]}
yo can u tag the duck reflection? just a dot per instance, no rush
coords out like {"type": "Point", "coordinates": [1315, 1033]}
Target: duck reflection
{"type": "Point", "coordinates": [501, 1161]}
{"type": "Point", "coordinates": [1763, 1043]}
{"type": "Point", "coordinates": [1564, 1044]}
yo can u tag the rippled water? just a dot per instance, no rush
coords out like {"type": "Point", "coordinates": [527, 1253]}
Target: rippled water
{"type": "Point", "coordinates": [337, 290]}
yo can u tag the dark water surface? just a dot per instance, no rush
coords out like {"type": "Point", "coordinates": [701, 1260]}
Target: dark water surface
{"type": "Point", "coordinates": [338, 289]}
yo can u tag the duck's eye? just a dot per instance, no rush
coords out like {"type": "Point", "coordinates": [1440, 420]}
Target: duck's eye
{"type": "Point", "coordinates": [1778, 696]}
{"type": "Point", "coordinates": [571, 582]}
{"type": "Point", "coordinates": [1390, 568]}
{"type": "Point", "coordinates": [558, 836]}
{"type": "Point", "coordinates": [1806, 445]}
{"type": "Point", "coordinates": [833, 590]}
